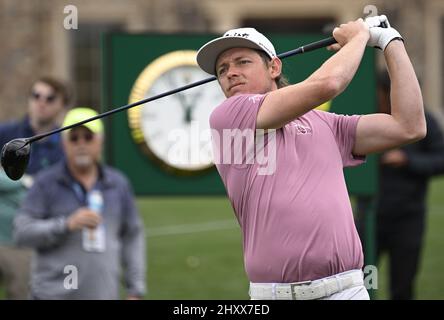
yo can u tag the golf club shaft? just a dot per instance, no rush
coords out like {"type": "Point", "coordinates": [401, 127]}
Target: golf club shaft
{"type": "Point", "coordinates": [309, 47]}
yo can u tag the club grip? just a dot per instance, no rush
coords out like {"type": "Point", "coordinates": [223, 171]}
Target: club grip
{"type": "Point", "coordinates": [319, 44]}
{"type": "Point", "coordinates": [309, 47]}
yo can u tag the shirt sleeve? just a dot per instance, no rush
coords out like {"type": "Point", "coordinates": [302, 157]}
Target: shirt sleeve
{"type": "Point", "coordinates": [237, 112]}
{"type": "Point", "coordinates": [32, 227]}
{"type": "Point", "coordinates": [344, 130]}
{"type": "Point", "coordinates": [233, 129]}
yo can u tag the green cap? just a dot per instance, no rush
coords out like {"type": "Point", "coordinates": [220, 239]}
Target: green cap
{"type": "Point", "coordinates": [79, 114]}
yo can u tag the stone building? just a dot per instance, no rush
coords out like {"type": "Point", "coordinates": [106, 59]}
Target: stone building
{"type": "Point", "coordinates": [35, 40]}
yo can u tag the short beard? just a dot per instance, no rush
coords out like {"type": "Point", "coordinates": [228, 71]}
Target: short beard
{"type": "Point", "coordinates": [83, 162]}
{"type": "Point", "coordinates": [42, 123]}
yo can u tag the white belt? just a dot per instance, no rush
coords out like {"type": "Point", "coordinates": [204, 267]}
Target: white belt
{"type": "Point", "coordinates": [306, 290]}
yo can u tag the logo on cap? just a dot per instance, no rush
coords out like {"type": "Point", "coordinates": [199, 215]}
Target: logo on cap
{"type": "Point", "coordinates": [242, 35]}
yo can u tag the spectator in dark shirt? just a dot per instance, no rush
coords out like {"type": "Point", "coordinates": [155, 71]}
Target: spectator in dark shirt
{"type": "Point", "coordinates": [47, 103]}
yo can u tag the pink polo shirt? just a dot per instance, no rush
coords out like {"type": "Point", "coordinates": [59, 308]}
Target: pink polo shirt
{"type": "Point", "coordinates": [289, 194]}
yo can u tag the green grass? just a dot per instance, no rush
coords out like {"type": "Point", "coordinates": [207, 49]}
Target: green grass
{"type": "Point", "coordinates": [209, 265]}
{"type": "Point", "coordinates": [193, 264]}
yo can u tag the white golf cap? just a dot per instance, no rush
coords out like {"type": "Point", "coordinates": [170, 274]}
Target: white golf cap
{"type": "Point", "coordinates": [235, 38]}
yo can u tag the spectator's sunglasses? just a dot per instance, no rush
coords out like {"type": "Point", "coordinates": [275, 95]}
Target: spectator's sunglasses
{"type": "Point", "coordinates": [75, 137]}
{"type": "Point", "coordinates": [48, 99]}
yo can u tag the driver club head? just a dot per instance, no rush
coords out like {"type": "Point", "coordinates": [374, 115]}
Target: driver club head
{"type": "Point", "coordinates": [15, 157]}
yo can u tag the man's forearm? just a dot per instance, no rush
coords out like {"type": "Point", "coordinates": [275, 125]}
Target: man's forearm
{"type": "Point", "coordinates": [38, 233]}
{"type": "Point", "coordinates": [343, 65]}
{"type": "Point", "coordinates": [405, 95]}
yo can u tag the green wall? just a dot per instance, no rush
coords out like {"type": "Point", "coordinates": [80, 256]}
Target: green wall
{"type": "Point", "coordinates": [126, 55]}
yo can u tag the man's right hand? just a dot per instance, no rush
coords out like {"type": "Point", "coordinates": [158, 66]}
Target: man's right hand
{"type": "Point", "coordinates": [346, 32]}
{"type": "Point", "coordinates": [83, 218]}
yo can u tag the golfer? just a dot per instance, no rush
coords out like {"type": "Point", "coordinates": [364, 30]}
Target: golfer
{"type": "Point", "coordinates": [299, 237]}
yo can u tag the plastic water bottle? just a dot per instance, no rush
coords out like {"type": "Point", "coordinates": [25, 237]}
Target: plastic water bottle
{"type": "Point", "coordinates": [94, 238]}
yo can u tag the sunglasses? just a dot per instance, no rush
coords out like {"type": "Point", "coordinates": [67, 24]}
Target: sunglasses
{"type": "Point", "coordinates": [47, 99]}
{"type": "Point", "coordinates": [75, 137]}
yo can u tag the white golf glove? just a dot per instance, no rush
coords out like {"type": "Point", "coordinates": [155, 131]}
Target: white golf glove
{"type": "Point", "coordinates": [380, 32]}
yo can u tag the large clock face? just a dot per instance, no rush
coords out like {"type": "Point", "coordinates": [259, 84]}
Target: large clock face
{"type": "Point", "coordinates": [174, 131]}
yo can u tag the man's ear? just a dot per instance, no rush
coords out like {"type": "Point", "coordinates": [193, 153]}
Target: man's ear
{"type": "Point", "coordinates": [275, 67]}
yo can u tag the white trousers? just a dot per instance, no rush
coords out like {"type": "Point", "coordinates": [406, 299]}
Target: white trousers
{"type": "Point", "coordinates": [347, 285]}
{"type": "Point", "coordinates": [354, 293]}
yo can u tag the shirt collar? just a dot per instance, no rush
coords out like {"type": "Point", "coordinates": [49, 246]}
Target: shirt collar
{"type": "Point", "coordinates": [66, 177]}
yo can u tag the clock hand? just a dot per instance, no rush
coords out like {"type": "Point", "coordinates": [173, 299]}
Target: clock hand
{"type": "Point", "coordinates": [187, 108]}
{"type": "Point", "coordinates": [188, 114]}
{"type": "Point", "coordinates": [180, 95]}
{"type": "Point", "coordinates": [190, 107]}
{"type": "Point", "coordinates": [196, 97]}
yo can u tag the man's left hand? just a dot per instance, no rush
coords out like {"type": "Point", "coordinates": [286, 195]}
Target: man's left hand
{"type": "Point", "coordinates": [381, 33]}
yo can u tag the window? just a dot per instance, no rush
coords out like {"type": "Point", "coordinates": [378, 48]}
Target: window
{"type": "Point", "coordinates": [86, 55]}
{"type": "Point", "coordinates": [291, 25]}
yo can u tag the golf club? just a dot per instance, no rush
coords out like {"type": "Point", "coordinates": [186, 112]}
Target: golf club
{"type": "Point", "coordinates": [15, 153]}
